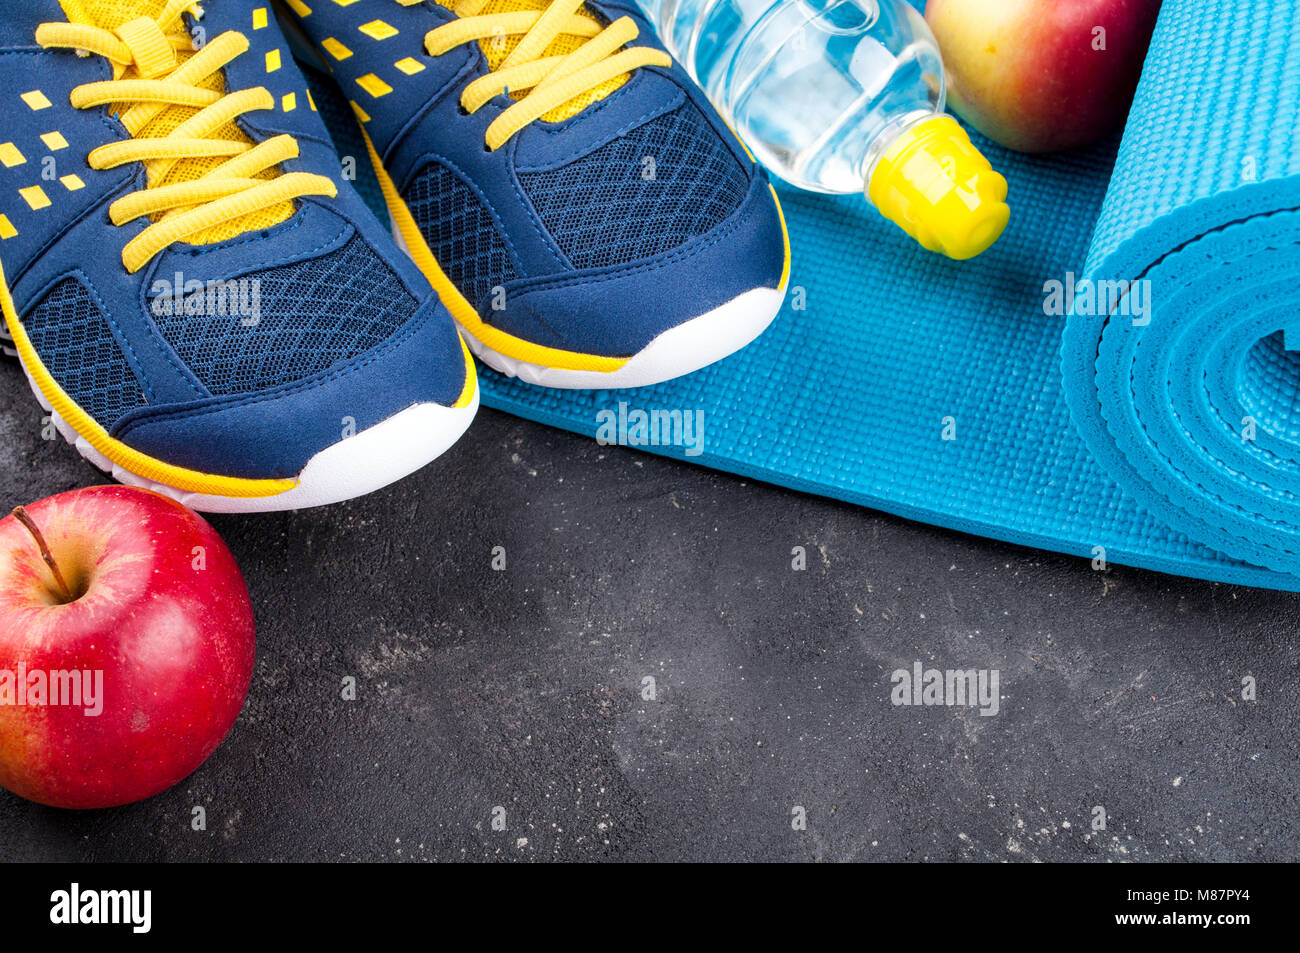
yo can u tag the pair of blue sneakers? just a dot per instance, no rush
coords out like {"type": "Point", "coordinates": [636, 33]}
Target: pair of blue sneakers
{"type": "Point", "coordinates": [206, 307]}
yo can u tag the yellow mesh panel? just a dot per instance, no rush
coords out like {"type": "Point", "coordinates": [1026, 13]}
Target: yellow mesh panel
{"type": "Point", "coordinates": [496, 49]}
{"type": "Point", "coordinates": [111, 14]}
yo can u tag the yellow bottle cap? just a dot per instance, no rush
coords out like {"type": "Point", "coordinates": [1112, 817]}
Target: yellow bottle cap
{"type": "Point", "coordinates": [934, 184]}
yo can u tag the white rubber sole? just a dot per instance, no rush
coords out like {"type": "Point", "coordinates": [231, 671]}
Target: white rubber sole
{"type": "Point", "coordinates": [679, 351]}
{"type": "Point", "coordinates": [360, 464]}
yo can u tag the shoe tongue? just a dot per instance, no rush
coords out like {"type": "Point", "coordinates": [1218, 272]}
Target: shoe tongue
{"type": "Point", "coordinates": [110, 14]}
{"type": "Point", "coordinates": [496, 49]}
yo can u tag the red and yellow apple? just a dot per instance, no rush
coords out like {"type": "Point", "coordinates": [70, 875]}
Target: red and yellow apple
{"type": "Point", "coordinates": [1043, 75]}
{"type": "Point", "coordinates": [126, 646]}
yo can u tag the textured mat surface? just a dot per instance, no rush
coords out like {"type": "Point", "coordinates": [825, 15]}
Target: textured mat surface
{"type": "Point", "coordinates": [948, 393]}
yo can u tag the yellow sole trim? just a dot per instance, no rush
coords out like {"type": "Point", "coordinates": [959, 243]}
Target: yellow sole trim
{"type": "Point", "coordinates": [190, 481]}
{"type": "Point", "coordinates": [461, 309]}
{"type": "Point", "coordinates": [785, 237]}
{"type": "Point", "coordinates": [471, 377]}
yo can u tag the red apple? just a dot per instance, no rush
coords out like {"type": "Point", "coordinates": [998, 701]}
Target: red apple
{"type": "Point", "coordinates": [131, 612]}
{"type": "Point", "coordinates": [1043, 75]}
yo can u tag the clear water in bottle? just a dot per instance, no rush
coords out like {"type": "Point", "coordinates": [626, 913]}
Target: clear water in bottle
{"type": "Point", "coordinates": [817, 88]}
{"type": "Point", "coordinates": [843, 96]}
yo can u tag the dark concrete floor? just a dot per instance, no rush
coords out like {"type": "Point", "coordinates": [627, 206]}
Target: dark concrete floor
{"type": "Point", "coordinates": [522, 689]}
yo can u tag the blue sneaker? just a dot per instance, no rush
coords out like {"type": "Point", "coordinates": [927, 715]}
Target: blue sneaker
{"type": "Point", "coordinates": [584, 213]}
{"type": "Point", "coordinates": [200, 303]}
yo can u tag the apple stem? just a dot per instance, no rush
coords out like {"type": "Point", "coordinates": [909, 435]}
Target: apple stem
{"type": "Point", "coordinates": [22, 516]}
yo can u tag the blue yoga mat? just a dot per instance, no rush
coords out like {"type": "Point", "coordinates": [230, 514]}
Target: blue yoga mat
{"type": "Point", "coordinates": [1157, 428]}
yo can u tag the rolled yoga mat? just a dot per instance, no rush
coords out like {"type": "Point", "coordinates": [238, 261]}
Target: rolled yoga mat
{"type": "Point", "coordinates": [1195, 408]}
{"type": "Point", "coordinates": [958, 394]}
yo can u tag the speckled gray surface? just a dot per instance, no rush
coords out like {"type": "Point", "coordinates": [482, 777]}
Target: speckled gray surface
{"type": "Point", "coordinates": [522, 689]}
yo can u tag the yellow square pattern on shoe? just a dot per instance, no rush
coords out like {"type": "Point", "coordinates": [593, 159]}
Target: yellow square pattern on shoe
{"type": "Point", "coordinates": [300, 8]}
{"type": "Point", "coordinates": [259, 18]}
{"type": "Point", "coordinates": [289, 102]}
{"type": "Point", "coordinates": [7, 229]}
{"type": "Point", "coordinates": [35, 99]}
{"type": "Point", "coordinates": [72, 182]}
{"type": "Point", "coordinates": [378, 30]}
{"type": "Point", "coordinates": [110, 14]}
{"type": "Point", "coordinates": [375, 86]}
{"type": "Point", "coordinates": [409, 65]}
{"type": "Point", "coordinates": [54, 141]}
{"type": "Point", "coordinates": [334, 48]}
{"type": "Point", "coordinates": [34, 196]}
{"type": "Point", "coordinates": [10, 156]}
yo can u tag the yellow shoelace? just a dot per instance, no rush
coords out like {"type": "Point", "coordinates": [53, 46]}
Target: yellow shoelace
{"type": "Point", "coordinates": [206, 180]}
{"type": "Point", "coordinates": [554, 60]}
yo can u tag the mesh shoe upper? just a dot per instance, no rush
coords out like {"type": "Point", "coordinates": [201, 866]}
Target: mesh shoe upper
{"type": "Point", "coordinates": [71, 334]}
{"type": "Point", "coordinates": [243, 352]}
{"type": "Point", "coordinates": [304, 318]}
{"type": "Point", "coordinates": [644, 193]}
{"type": "Point", "coordinates": [636, 191]}
{"type": "Point", "coordinates": [462, 232]}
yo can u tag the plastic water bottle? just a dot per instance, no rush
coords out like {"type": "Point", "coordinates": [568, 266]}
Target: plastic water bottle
{"type": "Point", "coordinates": [843, 96]}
